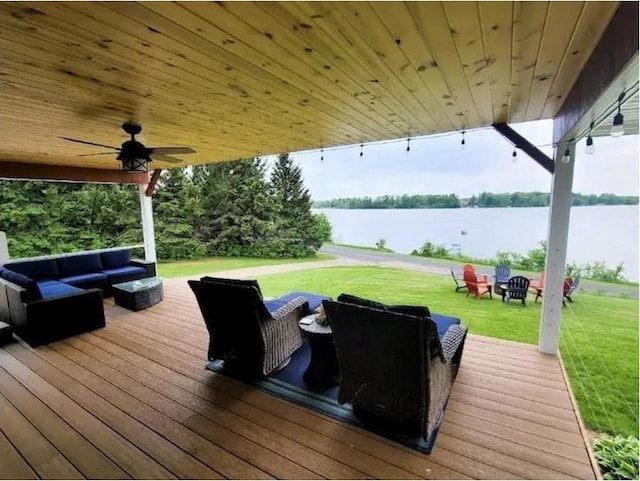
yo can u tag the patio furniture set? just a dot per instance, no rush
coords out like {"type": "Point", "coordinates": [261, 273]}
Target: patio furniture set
{"type": "Point", "coordinates": [394, 364]}
{"type": "Point", "coordinates": [508, 286]}
{"type": "Point", "coordinates": [50, 298]}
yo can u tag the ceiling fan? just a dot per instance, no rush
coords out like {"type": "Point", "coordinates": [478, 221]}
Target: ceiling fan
{"type": "Point", "coordinates": [133, 154]}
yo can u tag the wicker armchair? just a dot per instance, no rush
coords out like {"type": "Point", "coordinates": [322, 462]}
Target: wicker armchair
{"type": "Point", "coordinates": [242, 331]}
{"type": "Point", "coordinates": [394, 368]}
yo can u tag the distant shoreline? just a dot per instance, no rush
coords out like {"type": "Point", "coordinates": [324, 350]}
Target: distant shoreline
{"type": "Point", "coordinates": [468, 207]}
{"type": "Point", "coordinates": [483, 200]}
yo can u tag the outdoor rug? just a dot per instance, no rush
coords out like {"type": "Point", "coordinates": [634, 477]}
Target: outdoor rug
{"type": "Point", "coordinates": [289, 385]}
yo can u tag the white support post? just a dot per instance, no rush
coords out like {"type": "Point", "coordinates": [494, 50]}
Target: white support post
{"type": "Point", "coordinates": [559, 212]}
{"type": "Point", "coordinates": [148, 234]}
{"type": "Point", "coordinates": [4, 248]}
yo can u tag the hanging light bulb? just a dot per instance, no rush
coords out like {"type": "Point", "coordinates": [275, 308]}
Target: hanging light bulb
{"type": "Point", "coordinates": [590, 148]}
{"type": "Point", "coordinates": [514, 155]}
{"type": "Point", "coordinates": [462, 142]}
{"type": "Point", "coordinates": [361, 150]}
{"type": "Point", "coordinates": [321, 154]}
{"type": "Point", "coordinates": [617, 129]}
{"type": "Point", "coordinates": [566, 157]}
{"type": "Point", "coordinates": [408, 145]}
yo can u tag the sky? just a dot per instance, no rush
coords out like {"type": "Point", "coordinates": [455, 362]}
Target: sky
{"type": "Point", "coordinates": [439, 165]}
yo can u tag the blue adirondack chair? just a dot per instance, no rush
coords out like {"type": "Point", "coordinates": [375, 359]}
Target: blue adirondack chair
{"type": "Point", "coordinates": [502, 275]}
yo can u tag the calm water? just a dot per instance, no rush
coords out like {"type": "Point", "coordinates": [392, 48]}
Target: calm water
{"type": "Point", "coordinates": [596, 233]}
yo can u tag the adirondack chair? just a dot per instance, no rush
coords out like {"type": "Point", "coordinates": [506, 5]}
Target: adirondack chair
{"type": "Point", "coordinates": [502, 275]}
{"type": "Point", "coordinates": [459, 281]}
{"type": "Point", "coordinates": [537, 284]}
{"type": "Point", "coordinates": [517, 288]}
{"type": "Point", "coordinates": [476, 287]}
{"type": "Point", "coordinates": [566, 290]}
{"type": "Point", "coordinates": [572, 288]}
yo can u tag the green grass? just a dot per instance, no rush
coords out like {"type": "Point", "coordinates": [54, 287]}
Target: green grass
{"type": "Point", "coordinates": [218, 264]}
{"type": "Point", "coordinates": [599, 341]}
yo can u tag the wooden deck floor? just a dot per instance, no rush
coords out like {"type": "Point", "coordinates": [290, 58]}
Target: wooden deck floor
{"type": "Point", "coordinates": [133, 401]}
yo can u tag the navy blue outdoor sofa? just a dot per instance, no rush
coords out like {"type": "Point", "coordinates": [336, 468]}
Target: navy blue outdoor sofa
{"type": "Point", "coordinates": [51, 298]}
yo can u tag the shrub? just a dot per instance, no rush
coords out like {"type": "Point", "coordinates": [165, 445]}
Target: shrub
{"type": "Point", "coordinates": [431, 250]}
{"type": "Point", "coordinates": [617, 457]}
{"type": "Point", "coordinates": [324, 227]}
{"type": "Point", "coordinates": [381, 244]}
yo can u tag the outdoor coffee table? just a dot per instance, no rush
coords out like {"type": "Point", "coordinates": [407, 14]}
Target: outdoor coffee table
{"type": "Point", "coordinates": [323, 370]}
{"type": "Point", "coordinates": [137, 295]}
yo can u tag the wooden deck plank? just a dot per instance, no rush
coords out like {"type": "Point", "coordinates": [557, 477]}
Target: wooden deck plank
{"type": "Point", "coordinates": [139, 385]}
{"type": "Point", "coordinates": [87, 459]}
{"type": "Point", "coordinates": [124, 453]}
{"type": "Point", "coordinates": [45, 460]}
{"type": "Point", "coordinates": [267, 459]}
{"type": "Point", "coordinates": [13, 464]}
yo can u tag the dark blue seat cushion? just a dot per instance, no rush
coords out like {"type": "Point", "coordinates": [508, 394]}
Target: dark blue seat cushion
{"type": "Point", "coordinates": [115, 259]}
{"type": "Point", "coordinates": [123, 271]}
{"type": "Point", "coordinates": [31, 292]}
{"type": "Point", "coordinates": [50, 289]}
{"type": "Point", "coordinates": [75, 265]}
{"type": "Point", "coordinates": [273, 305]}
{"type": "Point", "coordinates": [443, 323]}
{"type": "Point", "coordinates": [84, 279]}
{"type": "Point", "coordinates": [314, 299]}
{"type": "Point", "coordinates": [36, 270]}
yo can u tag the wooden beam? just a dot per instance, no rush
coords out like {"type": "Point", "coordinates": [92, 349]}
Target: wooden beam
{"type": "Point", "coordinates": [617, 47]}
{"type": "Point", "coordinates": [152, 183]}
{"type": "Point", "coordinates": [527, 147]}
{"type": "Point", "coordinates": [18, 170]}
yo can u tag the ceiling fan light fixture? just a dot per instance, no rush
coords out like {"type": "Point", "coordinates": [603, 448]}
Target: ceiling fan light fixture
{"type": "Point", "coordinates": [134, 165]}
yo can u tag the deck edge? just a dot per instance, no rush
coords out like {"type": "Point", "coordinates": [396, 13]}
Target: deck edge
{"type": "Point", "coordinates": [583, 429]}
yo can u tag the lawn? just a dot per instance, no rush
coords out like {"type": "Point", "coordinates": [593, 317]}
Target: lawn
{"type": "Point", "coordinates": [599, 341]}
{"type": "Point", "coordinates": [218, 264]}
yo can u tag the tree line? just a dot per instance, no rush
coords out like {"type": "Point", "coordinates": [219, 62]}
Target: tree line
{"type": "Point", "coordinates": [485, 199]}
{"type": "Point", "coordinates": [222, 209]}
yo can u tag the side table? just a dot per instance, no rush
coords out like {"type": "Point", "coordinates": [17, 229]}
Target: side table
{"type": "Point", "coordinates": [323, 369]}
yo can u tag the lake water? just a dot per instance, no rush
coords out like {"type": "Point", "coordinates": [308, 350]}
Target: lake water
{"type": "Point", "coordinates": [596, 233]}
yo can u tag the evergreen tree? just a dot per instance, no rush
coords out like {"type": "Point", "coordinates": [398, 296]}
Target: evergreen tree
{"type": "Point", "coordinates": [298, 228]}
{"type": "Point", "coordinates": [176, 210]}
{"type": "Point", "coordinates": [239, 210]}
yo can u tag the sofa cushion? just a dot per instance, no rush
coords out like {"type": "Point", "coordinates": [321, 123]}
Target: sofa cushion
{"type": "Point", "coordinates": [314, 300]}
{"type": "Point", "coordinates": [36, 270]}
{"type": "Point", "coordinates": [50, 289]}
{"type": "Point", "coordinates": [82, 280]}
{"type": "Point", "coordinates": [31, 291]}
{"type": "Point", "coordinates": [119, 272]}
{"type": "Point", "coordinates": [75, 265]}
{"type": "Point", "coordinates": [115, 259]}
{"type": "Point", "coordinates": [443, 323]}
{"type": "Point", "coordinates": [237, 282]}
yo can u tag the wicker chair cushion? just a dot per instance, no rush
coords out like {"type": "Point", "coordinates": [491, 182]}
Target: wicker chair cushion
{"type": "Point", "coordinates": [314, 300]}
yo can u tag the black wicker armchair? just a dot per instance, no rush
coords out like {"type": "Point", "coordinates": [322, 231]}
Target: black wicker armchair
{"type": "Point", "coordinates": [394, 367]}
{"type": "Point", "coordinates": [242, 331]}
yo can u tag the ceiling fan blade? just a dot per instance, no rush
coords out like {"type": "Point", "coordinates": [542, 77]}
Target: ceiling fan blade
{"type": "Point", "coordinates": [89, 143]}
{"type": "Point", "coordinates": [172, 150]}
{"type": "Point", "coordinates": [166, 158]}
{"type": "Point", "coordinates": [100, 153]}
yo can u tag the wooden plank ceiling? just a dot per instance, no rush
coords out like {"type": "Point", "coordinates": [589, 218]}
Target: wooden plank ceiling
{"type": "Point", "coordinates": [241, 79]}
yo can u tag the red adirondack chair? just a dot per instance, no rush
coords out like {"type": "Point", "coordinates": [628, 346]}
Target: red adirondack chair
{"type": "Point", "coordinates": [476, 287]}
